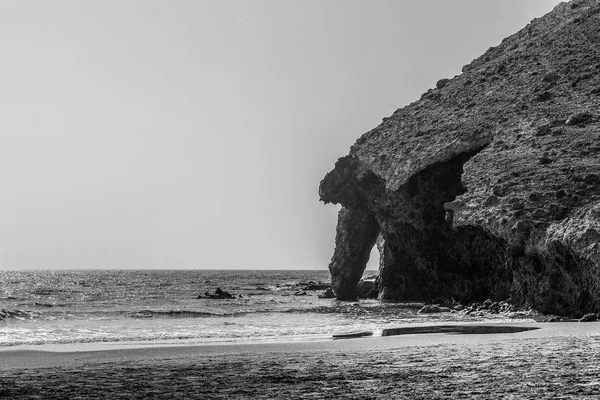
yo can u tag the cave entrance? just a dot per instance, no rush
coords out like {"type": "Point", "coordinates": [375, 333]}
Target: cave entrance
{"type": "Point", "coordinates": [423, 255]}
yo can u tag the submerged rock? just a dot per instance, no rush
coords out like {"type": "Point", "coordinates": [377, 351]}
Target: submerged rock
{"type": "Point", "coordinates": [459, 188]}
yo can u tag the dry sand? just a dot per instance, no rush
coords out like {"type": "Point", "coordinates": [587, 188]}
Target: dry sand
{"type": "Point", "coordinates": [560, 360]}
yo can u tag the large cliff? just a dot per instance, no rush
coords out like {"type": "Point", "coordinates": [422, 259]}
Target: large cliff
{"type": "Point", "coordinates": [489, 185]}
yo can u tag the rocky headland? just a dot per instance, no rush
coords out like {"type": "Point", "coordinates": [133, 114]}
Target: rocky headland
{"type": "Point", "coordinates": [488, 187]}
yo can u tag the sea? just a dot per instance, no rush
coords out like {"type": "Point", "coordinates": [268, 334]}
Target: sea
{"type": "Point", "coordinates": [48, 307]}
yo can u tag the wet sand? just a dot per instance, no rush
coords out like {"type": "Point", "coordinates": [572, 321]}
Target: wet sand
{"type": "Point", "coordinates": [560, 360]}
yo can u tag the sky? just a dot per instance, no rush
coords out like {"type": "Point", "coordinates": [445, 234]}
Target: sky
{"type": "Point", "coordinates": [193, 134]}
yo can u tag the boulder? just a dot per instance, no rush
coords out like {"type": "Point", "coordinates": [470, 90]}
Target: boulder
{"type": "Point", "coordinates": [317, 286]}
{"type": "Point", "coordinates": [460, 187]}
{"type": "Point", "coordinates": [441, 83]}
{"type": "Point", "coordinates": [445, 302]}
{"type": "Point", "coordinates": [366, 289]}
{"type": "Point", "coordinates": [328, 294]}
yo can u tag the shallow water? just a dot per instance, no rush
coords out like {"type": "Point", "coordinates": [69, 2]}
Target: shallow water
{"type": "Point", "coordinates": [51, 307]}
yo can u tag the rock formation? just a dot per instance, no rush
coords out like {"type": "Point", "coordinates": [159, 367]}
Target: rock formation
{"type": "Point", "coordinates": [489, 185]}
{"type": "Point", "coordinates": [219, 294]}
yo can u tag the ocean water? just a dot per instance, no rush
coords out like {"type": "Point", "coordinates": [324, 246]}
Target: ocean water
{"type": "Point", "coordinates": [79, 306]}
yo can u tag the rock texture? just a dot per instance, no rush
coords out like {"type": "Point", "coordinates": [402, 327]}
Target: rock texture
{"type": "Point", "coordinates": [489, 185]}
{"type": "Point", "coordinates": [355, 237]}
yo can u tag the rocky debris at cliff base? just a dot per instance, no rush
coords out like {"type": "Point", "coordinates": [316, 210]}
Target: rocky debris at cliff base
{"type": "Point", "coordinates": [433, 309]}
{"type": "Point", "coordinates": [218, 295]}
{"type": "Point", "coordinates": [490, 307]}
{"type": "Point", "coordinates": [590, 317]}
{"type": "Point", "coordinates": [328, 294]}
{"type": "Point", "coordinates": [315, 285]}
{"type": "Point", "coordinates": [366, 289]}
{"type": "Point", "coordinates": [487, 308]}
{"type": "Point", "coordinates": [558, 319]}
{"type": "Point", "coordinates": [449, 302]}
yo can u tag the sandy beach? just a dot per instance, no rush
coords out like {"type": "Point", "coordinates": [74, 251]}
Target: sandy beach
{"type": "Point", "coordinates": [560, 360]}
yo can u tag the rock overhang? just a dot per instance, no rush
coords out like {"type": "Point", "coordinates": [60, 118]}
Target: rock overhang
{"type": "Point", "coordinates": [530, 105]}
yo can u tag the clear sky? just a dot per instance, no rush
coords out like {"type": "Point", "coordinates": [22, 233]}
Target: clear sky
{"type": "Point", "coordinates": [194, 134]}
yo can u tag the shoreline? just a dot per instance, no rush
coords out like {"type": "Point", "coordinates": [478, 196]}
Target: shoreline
{"type": "Point", "coordinates": [415, 328]}
{"type": "Point", "coordinates": [420, 335]}
{"type": "Point", "coordinates": [557, 360]}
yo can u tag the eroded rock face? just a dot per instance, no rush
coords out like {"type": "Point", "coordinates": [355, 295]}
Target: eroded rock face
{"type": "Point", "coordinates": [489, 185]}
{"type": "Point", "coordinates": [355, 237]}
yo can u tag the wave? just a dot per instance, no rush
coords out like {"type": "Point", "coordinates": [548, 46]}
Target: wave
{"type": "Point", "coordinates": [49, 305]}
{"type": "Point", "coordinates": [6, 314]}
{"type": "Point", "coordinates": [176, 314]}
{"type": "Point", "coordinates": [238, 313]}
{"type": "Point", "coordinates": [196, 337]}
{"type": "Point", "coordinates": [50, 291]}
{"type": "Point", "coordinates": [41, 305]}
{"type": "Point", "coordinates": [61, 311]}
{"type": "Point", "coordinates": [18, 314]}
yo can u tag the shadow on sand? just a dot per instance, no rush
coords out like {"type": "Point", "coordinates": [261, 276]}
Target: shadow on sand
{"type": "Point", "coordinates": [462, 329]}
{"type": "Point", "coordinates": [458, 329]}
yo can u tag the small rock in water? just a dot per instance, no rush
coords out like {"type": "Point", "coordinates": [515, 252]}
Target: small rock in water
{"type": "Point", "coordinates": [217, 295]}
